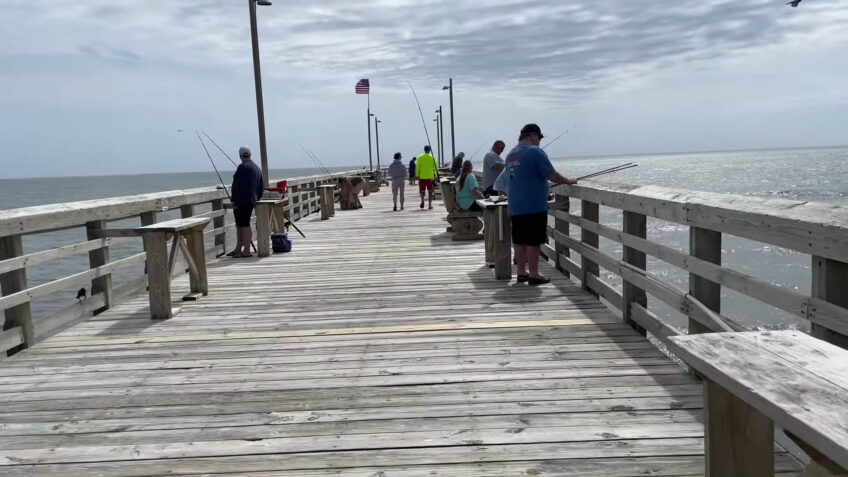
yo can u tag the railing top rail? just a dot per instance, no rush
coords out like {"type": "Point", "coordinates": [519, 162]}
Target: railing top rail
{"type": "Point", "coordinates": [41, 218]}
{"type": "Point", "coordinates": [809, 227]}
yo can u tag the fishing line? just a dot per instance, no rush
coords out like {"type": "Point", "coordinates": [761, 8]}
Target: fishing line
{"type": "Point", "coordinates": [477, 151]}
{"type": "Point", "coordinates": [219, 148]}
{"type": "Point", "coordinates": [555, 139]}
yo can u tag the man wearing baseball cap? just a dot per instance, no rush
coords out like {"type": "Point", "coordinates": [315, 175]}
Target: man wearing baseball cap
{"type": "Point", "coordinates": [246, 191]}
{"type": "Point", "coordinates": [527, 172]}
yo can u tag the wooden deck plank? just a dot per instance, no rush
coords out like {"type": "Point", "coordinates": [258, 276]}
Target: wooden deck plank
{"type": "Point", "coordinates": [378, 347]}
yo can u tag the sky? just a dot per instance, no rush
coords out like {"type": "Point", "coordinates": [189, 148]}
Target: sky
{"type": "Point", "coordinates": [105, 87]}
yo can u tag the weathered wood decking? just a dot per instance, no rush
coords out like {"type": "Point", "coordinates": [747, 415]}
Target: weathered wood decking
{"type": "Point", "coordinates": [379, 347]}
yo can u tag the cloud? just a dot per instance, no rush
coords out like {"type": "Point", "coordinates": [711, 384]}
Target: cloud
{"type": "Point", "coordinates": [556, 49]}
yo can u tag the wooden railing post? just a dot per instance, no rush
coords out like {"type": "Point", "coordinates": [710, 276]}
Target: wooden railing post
{"type": "Point", "coordinates": [219, 223]}
{"type": "Point", "coordinates": [294, 200]}
{"type": "Point", "coordinates": [13, 282]}
{"type": "Point", "coordinates": [830, 283]}
{"type": "Point", "coordinates": [97, 258]}
{"type": "Point", "coordinates": [634, 224]}
{"type": "Point", "coordinates": [706, 245]}
{"type": "Point", "coordinates": [563, 204]}
{"type": "Point", "coordinates": [589, 211]}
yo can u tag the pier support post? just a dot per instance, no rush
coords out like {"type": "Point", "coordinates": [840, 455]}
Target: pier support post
{"type": "Point", "coordinates": [503, 244]}
{"type": "Point", "coordinates": [634, 224]}
{"type": "Point", "coordinates": [263, 228]}
{"type": "Point", "coordinates": [589, 211]}
{"type": "Point", "coordinates": [706, 245]}
{"type": "Point", "coordinates": [97, 258]}
{"type": "Point", "coordinates": [830, 283]}
{"type": "Point", "coordinates": [13, 282]}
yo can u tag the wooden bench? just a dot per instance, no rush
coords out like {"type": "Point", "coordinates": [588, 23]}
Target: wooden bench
{"type": "Point", "coordinates": [497, 230]}
{"type": "Point", "coordinates": [465, 225]}
{"type": "Point", "coordinates": [754, 380]}
{"type": "Point", "coordinates": [187, 235]}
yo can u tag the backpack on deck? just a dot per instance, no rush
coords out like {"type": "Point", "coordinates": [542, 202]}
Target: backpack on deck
{"type": "Point", "coordinates": [281, 243]}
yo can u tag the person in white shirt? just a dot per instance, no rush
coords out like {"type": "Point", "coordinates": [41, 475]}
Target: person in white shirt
{"type": "Point", "coordinates": [493, 164]}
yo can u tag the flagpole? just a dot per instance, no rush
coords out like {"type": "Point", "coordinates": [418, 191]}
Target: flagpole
{"type": "Point", "coordinates": [368, 120]}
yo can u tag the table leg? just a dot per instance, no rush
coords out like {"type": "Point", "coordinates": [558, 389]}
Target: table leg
{"type": "Point", "coordinates": [158, 276]}
{"type": "Point", "coordinates": [489, 234]}
{"type": "Point", "coordinates": [739, 440]}
{"type": "Point", "coordinates": [503, 244]}
{"type": "Point", "coordinates": [199, 281]}
{"type": "Point", "coordinates": [263, 229]}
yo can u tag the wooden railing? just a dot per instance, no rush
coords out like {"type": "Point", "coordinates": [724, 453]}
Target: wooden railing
{"type": "Point", "coordinates": [819, 230]}
{"type": "Point", "coordinates": [21, 329]}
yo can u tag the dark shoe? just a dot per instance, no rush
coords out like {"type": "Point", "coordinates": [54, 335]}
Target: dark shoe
{"type": "Point", "coordinates": [248, 255]}
{"type": "Point", "coordinates": [232, 254]}
{"type": "Point", "coordinates": [395, 209]}
{"type": "Point", "coordinates": [522, 278]}
{"type": "Point", "coordinates": [430, 207]}
{"type": "Point", "coordinates": [538, 281]}
{"type": "Point", "coordinates": [422, 204]}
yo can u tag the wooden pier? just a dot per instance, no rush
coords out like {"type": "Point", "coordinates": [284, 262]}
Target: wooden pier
{"type": "Point", "coordinates": [377, 347]}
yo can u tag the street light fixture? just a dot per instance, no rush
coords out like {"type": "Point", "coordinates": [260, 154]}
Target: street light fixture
{"type": "Point", "coordinates": [449, 87]}
{"type": "Point", "coordinates": [257, 77]}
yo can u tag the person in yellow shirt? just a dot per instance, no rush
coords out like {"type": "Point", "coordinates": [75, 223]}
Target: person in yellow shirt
{"type": "Point", "coordinates": [427, 172]}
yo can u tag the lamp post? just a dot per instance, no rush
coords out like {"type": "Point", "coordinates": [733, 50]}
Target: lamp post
{"type": "Point", "coordinates": [437, 139]}
{"type": "Point", "coordinates": [441, 133]}
{"type": "Point", "coordinates": [257, 77]}
{"type": "Point", "coordinates": [449, 87]}
{"type": "Point", "coordinates": [377, 136]}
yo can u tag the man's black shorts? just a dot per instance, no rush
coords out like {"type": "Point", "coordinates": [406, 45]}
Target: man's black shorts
{"type": "Point", "coordinates": [530, 229]}
{"type": "Point", "coordinates": [242, 214]}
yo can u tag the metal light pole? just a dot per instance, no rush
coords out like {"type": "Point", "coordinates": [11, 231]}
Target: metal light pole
{"type": "Point", "coordinates": [441, 133]}
{"type": "Point", "coordinates": [449, 87]}
{"type": "Point", "coordinates": [438, 147]}
{"type": "Point", "coordinates": [370, 155]}
{"type": "Point", "coordinates": [257, 77]}
{"type": "Point", "coordinates": [377, 134]}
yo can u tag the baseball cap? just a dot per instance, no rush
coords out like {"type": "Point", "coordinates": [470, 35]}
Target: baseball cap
{"type": "Point", "coordinates": [244, 151]}
{"type": "Point", "coordinates": [461, 154]}
{"type": "Point", "coordinates": [532, 128]}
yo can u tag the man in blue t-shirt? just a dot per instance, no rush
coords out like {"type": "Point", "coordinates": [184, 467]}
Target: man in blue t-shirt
{"type": "Point", "coordinates": [527, 173]}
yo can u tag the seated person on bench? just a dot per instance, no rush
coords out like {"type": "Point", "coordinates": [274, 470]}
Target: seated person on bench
{"type": "Point", "coordinates": [467, 189]}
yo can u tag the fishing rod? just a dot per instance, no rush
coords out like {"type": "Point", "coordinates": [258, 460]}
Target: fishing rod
{"type": "Point", "coordinates": [219, 148]}
{"type": "Point", "coordinates": [478, 150]}
{"type": "Point", "coordinates": [611, 170]}
{"type": "Point", "coordinates": [555, 139]}
{"type": "Point", "coordinates": [314, 159]}
{"type": "Point", "coordinates": [319, 161]}
{"type": "Point", "coordinates": [423, 123]}
{"type": "Point", "coordinates": [223, 185]}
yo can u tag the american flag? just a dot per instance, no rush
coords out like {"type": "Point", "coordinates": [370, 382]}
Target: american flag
{"type": "Point", "coordinates": [363, 87]}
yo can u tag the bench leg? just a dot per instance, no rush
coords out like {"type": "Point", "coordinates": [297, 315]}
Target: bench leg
{"type": "Point", "coordinates": [199, 281]}
{"type": "Point", "coordinates": [739, 440]}
{"type": "Point", "coordinates": [158, 275]}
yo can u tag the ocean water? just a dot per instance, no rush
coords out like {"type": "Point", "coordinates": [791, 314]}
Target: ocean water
{"type": "Point", "coordinates": [804, 174]}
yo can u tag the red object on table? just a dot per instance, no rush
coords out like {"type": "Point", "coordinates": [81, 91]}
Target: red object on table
{"type": "Point", "coordinates": [282, 187]}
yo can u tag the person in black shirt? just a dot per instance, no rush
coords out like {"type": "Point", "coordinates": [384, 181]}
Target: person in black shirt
{"type": "Point", "coordinates": [457, 163]}
{"type": "Point", "coordinates": [246, 191]}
